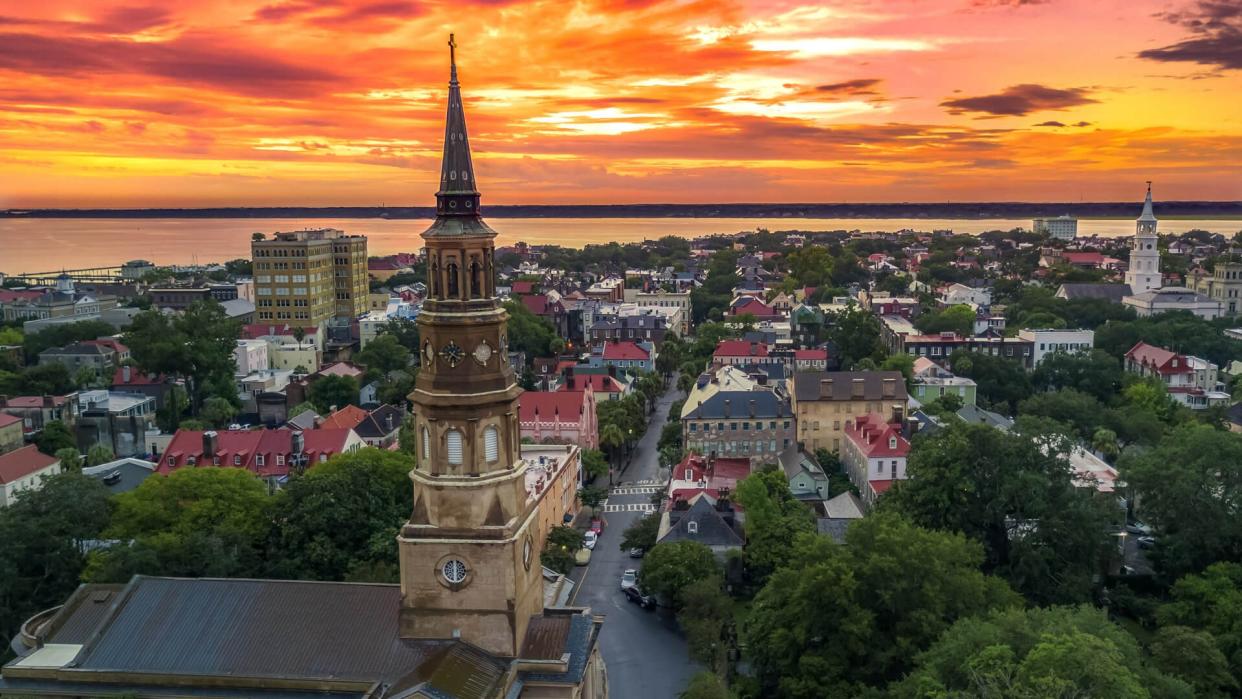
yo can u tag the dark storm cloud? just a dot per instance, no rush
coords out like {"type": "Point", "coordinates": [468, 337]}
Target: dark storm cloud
{"type": "Point", "coordinates": [1216, 35]}
{"type": "Point", "coordinates": [1019, 100]}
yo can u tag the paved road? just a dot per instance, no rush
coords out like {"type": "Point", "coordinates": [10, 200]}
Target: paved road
{"type": "Point", "coordinates": [645, 654]}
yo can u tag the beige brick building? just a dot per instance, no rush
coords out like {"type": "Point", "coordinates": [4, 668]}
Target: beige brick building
{"type": "Point", "coordinates": [826, 401]}
{"type": "Point", "coordinates": [308, 277]}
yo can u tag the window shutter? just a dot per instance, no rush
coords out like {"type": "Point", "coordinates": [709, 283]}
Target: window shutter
{"type": "Point", "coordinates": [453, 440]}
{"type": "Point", "coordinates": [426, 444]}
{"type": "Point", "coordinates": [491, 444]}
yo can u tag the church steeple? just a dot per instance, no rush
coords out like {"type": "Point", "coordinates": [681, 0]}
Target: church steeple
{"type": "Point", "coordinates": [1148, 214]}
{"type": "Point", "coordinates": [458, 194]}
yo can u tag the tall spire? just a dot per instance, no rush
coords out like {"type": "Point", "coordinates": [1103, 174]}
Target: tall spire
{"type": "Point", "coordinates": [1148, 214]}
{"type": "Point", "coordinates": [458, 194]}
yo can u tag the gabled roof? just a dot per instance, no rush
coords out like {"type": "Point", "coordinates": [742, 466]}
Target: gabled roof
{"type": "Point", "coordinates": [1111, 292]}
{"type": "Point", "coordinates": [24, 462]}
{"type": "Point", "coordinates": [566, 406]}
{"type": "Point", "coordinates": [1159, 359]}
{"type": "Point", "coordinates": [740, 348]}
{"type": "Point", "coordinates": [625, 350]}
{"type": "Point", "coordinates": [6, 420]}
{"type": "Point", "coordinates": [811, 354]}
{"type": "Point", "coordinates": [600, 383]}
{"type": "Point", "coordinates": [711, 528]}
{"type": "Point", "coordinates": [740, 405]}
{"type": "Point", "coordinates": [33, 401]}
{"type": "Point", "coordinates": [136, 378]}
{"type": "Point", "coordinates": [347, 418]}
{"type": "Point", "coordinates": [375, 425]}
{"type": "Point", "coordinates": [239, 448]}
{"type": "Point", "coordinates": [813, 385]}
{"type": "Point", "coordinates": [876, 438]}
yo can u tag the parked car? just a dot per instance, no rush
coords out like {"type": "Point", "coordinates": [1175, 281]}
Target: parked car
{"type": "Point", "coordinates": [635, 594]}
{"type": "Point", "coordinates": [1137, 527]}
{"type": "Point", "coordinates": [589, 539]}
{"type": "Point", "coordinates": [582, 557]}
{"type": "Point", "coordinates": [1146, 542]}
{"type": "Point", "coordinates": [637, 552]}
{"type": "Point", "coordinates": [597, 525]}
{"type": "Point", "coordinates": [629, 579]}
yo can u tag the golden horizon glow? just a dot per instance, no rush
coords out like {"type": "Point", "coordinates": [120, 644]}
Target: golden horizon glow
{"type": "Point", "coordinates": [341, 102]}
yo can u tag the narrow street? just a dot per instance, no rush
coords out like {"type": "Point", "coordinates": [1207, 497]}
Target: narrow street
{"type": "Point", "coordinates": [645, 654]}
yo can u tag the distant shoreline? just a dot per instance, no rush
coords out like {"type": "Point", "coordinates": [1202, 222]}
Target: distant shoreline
{"type": "Point", "coordinates": [1219, 210]}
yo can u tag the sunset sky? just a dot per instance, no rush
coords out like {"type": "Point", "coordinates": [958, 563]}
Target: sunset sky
{"type": "Point", "coordinates": [341, 102]}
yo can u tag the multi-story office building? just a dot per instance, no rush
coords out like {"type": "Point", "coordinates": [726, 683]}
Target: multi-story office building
{"type": "Point", "coordinates": [310, 276]}
{"type": "Point", "coordinates": [1061, 227]}
{"type": "Point", "coordinates": [1224, 285]}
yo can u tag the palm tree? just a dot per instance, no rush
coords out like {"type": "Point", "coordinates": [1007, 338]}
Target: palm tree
{"type": "Point", "coordinates": [612, 438]}
{"type": "Point", "coordinates": [685, 382]}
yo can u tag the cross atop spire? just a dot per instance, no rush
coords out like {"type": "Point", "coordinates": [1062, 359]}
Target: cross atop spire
{"type": "Point", "coordinates": [1148, 214]}
{"type": "Point", "coordinates": [458, 194]}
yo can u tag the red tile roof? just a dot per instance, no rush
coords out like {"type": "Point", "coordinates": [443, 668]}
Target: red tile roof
{"type": "Point", "coordinates": [880, 487]}
{"type": "Point", "coordinates": [23, 462]}
{"type": "Point", "coordinates": [523, 287]}
{"type": "Point", "coordinates": [341, 369]}
{"type": "Point", "coordinates": [544, 405]}
{"type": "Point", "coordinates": [1159, 359]}
{"type": "Point", "coordinates": [6, 419]}
{"type": "Point", "coordinates": [110, 343]}
{"type": "Point", "coordinates": [7, 296]}
{"type": "Point", "coordinates": [740, 348]}
{"type": "Point", "coordinates": [754, 307]}
{"type": "Point", "coordinates": [348, 418]}
{"type": "Point", "coordinates": [536, 303]}
{"type": "Point", "coordinates": [239, 449]}
{"type": "Point", "coordinates": [1083, 258]}
{"type": "Point", "coordinates": [600, 383]}
{"type": "Point", "coordinates": [31, 401]}
{"type": "Point", "coordinates": [873, 436]}
{"type": "Point", "coordinates": [625, 350]}
{"type": "Point", "coordinates": [811, 354]}
{"type": "Point", "coordinates": [136, 378]}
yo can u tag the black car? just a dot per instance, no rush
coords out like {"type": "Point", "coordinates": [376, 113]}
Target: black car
{"type": "Point", "coordinates": [644, 600]}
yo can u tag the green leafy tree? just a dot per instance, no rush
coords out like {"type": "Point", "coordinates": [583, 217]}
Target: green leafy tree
{"type": "Point", "coordinates": [1033, 654]}
{"type": "Point", "coordinates": [594, 463]}
{"type": "Point", "coordinates": [1081, 411]}
{"type": "Point", "coordinates": [1210, 601]}
{"type": "Point", "coordinates": [196, 346]}
{"type": "Point", "coordinates": [384, 354]}
{"type": "Point", "coordinates": [342, 517]}
{"type": "Point", "coordinates": [1187, 486]}
{"type": "Point", "coordinates": [673, 566]}
{"type": "Point", "coordinates": [1038, 529]}
{"type": "Point", "coordinates": [61, 335]}
{"type": "Point", "coordinates": [70, 459]}
{"type": "Point", "coordinates": [99, 454]}
{"type": "Point", "coordinates": [194, 522]}
{"type": "Point", "coordinates": [856, 335]}
{"type": "Point", "coordinates": [1193, 657]}
{"type": "Point", "coordinates": [42, 537]}
{"type": "Point", "coordinates": [52, 379]}
{"type": "Point", "coordinates": [705, 616]}
{"type": "Point", "coordinates": [1095, 373]}
{"type": "Point", "coordinates": [53, 437]}
{"type": "Point", "coordinates": [1002, 382]}
{"type": "Point", "coordinates": [168, 417]}
{"type": "Point", "coordinates": [641, 534]}
{"type": "Point", "coordinates": [301, 408]}
{"type": "Point", "coordinates": [612, 438]}
{"type": "Point", "coordinates": [895, 588]}
{"type": "Point", "coordinates": [332, 392]}
{"type": "Point", "coordinates": [406, 333]}
{"type": "Point", "coordinates": [218, 411]}
{"type": "Point", "coordinates": [773, 521]}
{"type": "Point", "coordinates": [528, 332]}
{"type": "Point", "coordinates": [705, 685]}
{"type": "Point", "coordinates": [592, 497]}
{"type": "Point", "coordinates": [959, 319]}
{"type": "Point", "coordinates": [711, 300]}
{"type": "Point", "coordinates": [559, 549]}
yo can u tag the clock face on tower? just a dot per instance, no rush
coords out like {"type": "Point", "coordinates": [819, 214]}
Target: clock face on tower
{"type": "Point", "coordinates": [482, 353]}
{"type": "Point", "coordinates": [452, 353]}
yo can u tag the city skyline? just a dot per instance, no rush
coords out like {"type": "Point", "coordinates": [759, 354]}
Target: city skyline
{"type": "Point", "coordinates": [329, 102]}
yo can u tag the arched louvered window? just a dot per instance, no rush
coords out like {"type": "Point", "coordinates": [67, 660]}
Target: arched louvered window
{"type": "Point", "coordinates": [491, 444]}
{"type": "Point", "coordinates": [426, 444]}
{"type": "Point", "coordinates": [453, 445]}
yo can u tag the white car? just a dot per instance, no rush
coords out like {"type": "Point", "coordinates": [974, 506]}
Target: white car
{"type": "Point", "coordinates": [589, 539]}
{"type": "Point", "coordinates": [629, 578]}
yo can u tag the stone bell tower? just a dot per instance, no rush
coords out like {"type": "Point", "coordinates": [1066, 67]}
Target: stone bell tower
{"type": "Point", "coordinates": [469, 553]}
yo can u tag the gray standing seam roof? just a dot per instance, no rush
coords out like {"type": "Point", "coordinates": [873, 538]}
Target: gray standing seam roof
{"type": "Point", "coordinates": [767, 405]}
{"type": "Point", "coordinates": [713, 530]}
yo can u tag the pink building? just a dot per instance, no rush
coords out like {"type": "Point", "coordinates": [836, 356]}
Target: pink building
{"type": "Point", "coordinates": [565, 417]}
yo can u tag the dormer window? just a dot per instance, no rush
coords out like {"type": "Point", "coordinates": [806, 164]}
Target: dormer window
{"type": "Point", "coordinates": [689, 474]}
{"type": "Point", "coordinates": [892, 442]}
{"type": "Point", "coordinates": [692, 527]}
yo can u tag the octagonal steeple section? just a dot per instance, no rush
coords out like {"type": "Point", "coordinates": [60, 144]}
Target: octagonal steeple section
{"type": "Point", "coordinates": [457, 200]}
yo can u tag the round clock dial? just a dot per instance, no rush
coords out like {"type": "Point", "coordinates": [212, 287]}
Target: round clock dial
{"type": "Point", "coordinates": [452, 353]}
{"type": "Point", "coordinates": [483, 352]}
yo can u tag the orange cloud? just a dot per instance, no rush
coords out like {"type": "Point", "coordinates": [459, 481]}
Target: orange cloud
{"type": "Point", "coordinates": [340, 102]}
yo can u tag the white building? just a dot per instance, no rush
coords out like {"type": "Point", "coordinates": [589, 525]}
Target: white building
{"type": "Point", "coordinates": [24, 469]}
{"type": "Point", "coordinates": [1046, 342]}
{"type": "Point", "coordinates": [250, 356]}
{"type": "Point", "coordinates": [956, 294]}
{"type": "Point", "coordinates": [680, 320]}
{"type": "Point", "coordinates": [1061, 227]}
{"type": "Point", "coordinates": [1173, 298]}
{"type": "Point", "coordinates": [1144, 272]}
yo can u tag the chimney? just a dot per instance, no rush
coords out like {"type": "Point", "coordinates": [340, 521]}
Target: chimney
{"type": "Point", "coordinates": [752, 407]}
{"type": "Point", "coordinates": [727, 407]}
{"type": "Point", "coordinates": [857, 388]}
{"type": "Point", "coordinates": [825, 388]}
{"type": "Point", "coordinates": [297, 442]}
{"type": "Point", "coordinates": [126, 373]}
{"type": "Point", "coordinates": [612, 370]}
{"type": "Point", "coordinates": [388, 422]}
{"type": "Point", "coordinates": [48, 402]}
{"type": "Point", "coordinates": [211, 442]}
{"type": "Point", "coordinates": [909, 427]}
{"type": "Point", "coordinates": [890, 388]}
